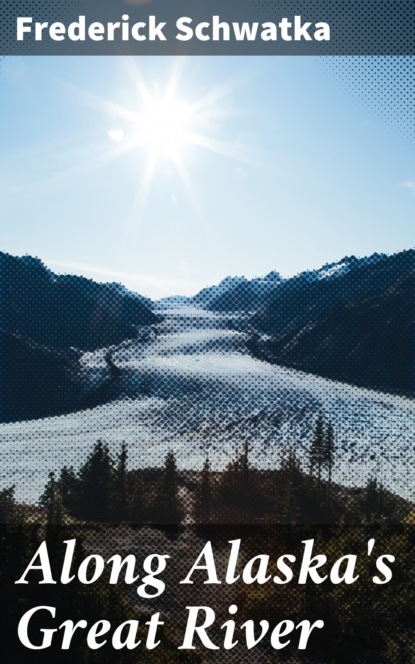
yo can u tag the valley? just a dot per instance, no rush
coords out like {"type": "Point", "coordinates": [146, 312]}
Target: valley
{"type": "Point", "coordinates": [192, 386]}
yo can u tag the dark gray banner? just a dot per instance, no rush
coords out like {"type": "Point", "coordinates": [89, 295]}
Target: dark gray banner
{"type": "Point", "coordinates": [201, 27]}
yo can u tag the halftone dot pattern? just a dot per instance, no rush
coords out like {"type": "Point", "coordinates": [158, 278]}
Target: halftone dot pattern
{"type": "Point", "coordinates": [358, 27]}
{"type": "Point", "coordinates": [43, 10]}
{"type": "Point", "coordinates": [215, 378]}
{"type": "Point", "coordinates": [227, 386]}
{"type": "Point", "coordinates": [225, 420]}
{"type": "Point", "coordinates": [384, 85]}
{"type": "Point", "coordinates": [377, 27]}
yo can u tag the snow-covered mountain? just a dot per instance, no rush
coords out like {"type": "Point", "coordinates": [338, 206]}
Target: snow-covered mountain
{"type": "Point", "coordinates": [242, 294]}
{"type": "Point", "coordinates": [352, 321]}
{"type": "Point", "coordinates": [47, 321]}
{"type": "Point", "coordinates": [195, 389]}
{"type": "Point", "coordinates": [237, 293]}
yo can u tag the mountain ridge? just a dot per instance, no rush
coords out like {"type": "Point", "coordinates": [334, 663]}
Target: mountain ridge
{"type": "Point", "coordinates": [352, 320]}
{"type": "Point", "coordinates": [359, 328]}
{"type": "Point", "coordinates": [47, 322]}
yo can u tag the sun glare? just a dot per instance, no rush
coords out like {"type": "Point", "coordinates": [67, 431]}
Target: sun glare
{"type": "Point", "coordinates": [166, 123]}
{"type": "Point", "coordinates": [166, 126]}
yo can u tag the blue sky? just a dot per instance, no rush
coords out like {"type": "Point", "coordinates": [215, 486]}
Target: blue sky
{"type": "Point", "coordinates": [287, 171]}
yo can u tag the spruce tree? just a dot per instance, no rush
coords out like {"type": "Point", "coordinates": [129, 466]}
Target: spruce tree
{"type": "Point", "coordinates": [329, 450]}
{"type": "Point", "coordinates": [236, 485]}
{"type": "Point", "coordinates": [291, 477]}
{"type": "Point", "coordinates": [167, 509]}
{"type": "Point", "coordinates": [7, 506]}
{"type": "Point", "coordinates": [316, 455]}
{"type": "Point", "coordinates": [120, 487]}
{"type": "Point", "coordinates": [69, 488]}
{"type": "Point", "coordinates": [52, 500]}
{"type": "Point", "coordinates": [203, 499]}
{"type": "Point", "coordinates": [373, 506]}
{"type": "Point", "coordinates": [137, 508]}
{"type": "Point", "coordinates": [96, 482]}
{"type": "Point", "coordinates": [245, 474]}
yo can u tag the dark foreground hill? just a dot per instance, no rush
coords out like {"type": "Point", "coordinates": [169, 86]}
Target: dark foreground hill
{"type": "Point", "coordinates": [36, 381]}
{"type": "Point", "coordinates": [62, 311]}
{"type": "Point", "coordinates": [47, 321]}
{"type": "Point", "coordinates": [352, 322]}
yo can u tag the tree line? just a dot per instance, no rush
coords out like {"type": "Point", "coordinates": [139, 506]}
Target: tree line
{"type": "Point", "coordinates": [104, 490]}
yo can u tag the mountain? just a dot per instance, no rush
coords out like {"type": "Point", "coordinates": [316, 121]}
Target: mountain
{"type": "Point", "coordinates": [36, 381]}
{"type": "Point", "coordinates": [173, 301]}
{"type": "Point", "coordinates": [237, 293]}
{"type": "Point", "coordinates": [63, 311]}
{"type": "Point", "coordinates": [47, 320]}
{"type": "Point", "coordinates": [351, 321]}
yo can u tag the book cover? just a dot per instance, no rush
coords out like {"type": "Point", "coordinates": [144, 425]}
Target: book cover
{"type": "Point", "coordinates": [207, 331]}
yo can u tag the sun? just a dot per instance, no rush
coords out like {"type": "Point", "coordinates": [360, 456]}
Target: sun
{"type": "Point", "coordinates": [168, 122]}
{"type": "Point", "coordinates": [165, 127]}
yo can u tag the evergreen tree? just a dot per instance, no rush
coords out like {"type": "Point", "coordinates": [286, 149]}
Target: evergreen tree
{"type": "Point", "coordinates": [329, 450]}
{"type": "Point", "coordinates": [236, 480]}
{"type": "Point", "coordinates": [167, 509]}
{"type": "Point", "coordinates": [373, 504]}
{"type": "Point", "coordinates": [245, 470]}
{"type": "Point", "coordinates": [317, 448]}
{"type": "Point", "coordinates": [291, 478]}
{"type": "Point", "coordinates": [70, 489]}
{"type": "Point", "coordinates": [203, 500]}
{"type": "Point", "coordinates": [120, 487]}
{"type": "Point", "coordinates": [7, 506]}
{"type": "Point", "coordinates": [52, 500]}
{"type": "Point", "coordinates": [137, 507]}
{"type": "Point", "coordinates": [96, 483]}
{"type": "Point", "coordinates": [240, 487]}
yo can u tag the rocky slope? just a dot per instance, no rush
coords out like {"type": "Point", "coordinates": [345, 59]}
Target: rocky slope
{"type": "Point", "coordinates": [354, 323]}
{"type": "Point", "coordinates": [234, 294]}
{"type": "Point", "coordinates": [63, 311]}
{"type": "Point", "coordinates": [47, 322]}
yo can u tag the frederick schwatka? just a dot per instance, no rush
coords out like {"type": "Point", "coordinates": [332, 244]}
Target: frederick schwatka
{"type": "Point", "coordinates": [294, 29]}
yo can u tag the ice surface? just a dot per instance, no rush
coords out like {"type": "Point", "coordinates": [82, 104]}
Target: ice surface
{"type": "Point", "coordinates": [193, 388]}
